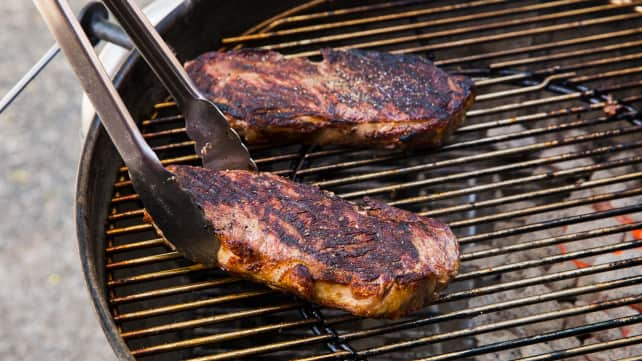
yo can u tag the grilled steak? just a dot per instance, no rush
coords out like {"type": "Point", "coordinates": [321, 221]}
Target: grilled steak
{"type": "Point", "coordinates": [352, 97]}
{"type": "Point", "coordinates": [372, 260]}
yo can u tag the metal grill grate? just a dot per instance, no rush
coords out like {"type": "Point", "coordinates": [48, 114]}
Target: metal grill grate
{"type": "Point", "coordinates": [543, 185]}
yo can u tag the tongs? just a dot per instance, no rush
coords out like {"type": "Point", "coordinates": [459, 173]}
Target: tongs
{"type": "Point", "coordinates": [218, 145]}
{"type": "Point", "coordinates": [172, 208]}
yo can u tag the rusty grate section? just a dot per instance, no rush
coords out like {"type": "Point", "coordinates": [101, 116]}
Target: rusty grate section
{"type": "Point", "coordinates": [543, 185]}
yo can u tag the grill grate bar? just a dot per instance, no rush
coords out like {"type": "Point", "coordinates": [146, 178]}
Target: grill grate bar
{"type": "Point", "coordinates": [540, 193]}
{"type": "Point", "coordinates": [557, 222]}
{"type": "Point", "coordinates": [531, 117]}
{"type": "Point", "coordinates": [204, 321]}
{"type": "Point", "coordinates": [143, 260]}
{"type": "Point", "coordinates": [293, 156]}
{"type": "Point", "coordinates": [164, 133]}
{"type": "Point", "coordinates": [502, 79]}
{"type": "Point", "coordinates": [123, 183]}
{"type": "Point", "coordinates": [121, 199]}
{"type": "Point", "coordinates": [127, 214]}
{"type": "Point", "coordinates": [549, 336]}
{"type": "Point", "coordinates": [424, 25]}
{"type": "Point", "coordinates": [589, 64]}
{"type": "Point", "coordinates": [605, 75]}
{"type": "Point", "coordinates": [547, 207]}
{"type": "Point", "coordinates": [581, 350]}
{"type": "Point", "coordinates": [250, 351]}
{"type": "Point", "coordinates": [604, 267]}
{"type": "Point", "coordinates": [190, 305]}
{"type": "Point", "coordinates": [173, 290]}
{"type": "Point", "coordinates": [631, 99]}
{"type": "Point", "coordinates": [129, 229]}
{"type": "Point", "coordinates": [269, 23]}
{"type": "Point", "coordinates": [156, 275]}
{"type": "Point", "coordinates": [550, 100]}
{"type": "Point", "coordinates": [488, 38]}
{"type": "Point", "coordinates": [634, 358]}
{"type": "Point", "coordinates": [523, 90]}
{"type": "Point", "coordinates": [138, 245]}
{"type": "Point", "coordinates": [208, 340]}
{"type": "Point", "coordinates": [530, 103]}
{"type": "Point", "coordinates": [174, 146]}
{"type": "Point", "coordinates": [539, 47]}
{"type": "Point", "coordinates": [362, 21]}
{"type": "Point", "coordinates": [337, 12]}
{"type": "Point", "coordinates": [548, 260]}
{"type": "Point", "coordinates": [536, 131]}
{"type": "Point", "coordinates": [162, 120]}
{"type": "Point", "coordinates": [568, 54]}
{"type": "Point", "coordinates": [164, 105]}
{"type": "Point", "coordinates": [565, 238]}
{"type": "Point", "coordinates": [514, 34]}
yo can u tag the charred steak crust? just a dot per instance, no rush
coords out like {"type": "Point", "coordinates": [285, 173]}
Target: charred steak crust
{"type": "Point", "coordinates": [351, 97]}
{"type": "Point", "coordinates": [372, 260]}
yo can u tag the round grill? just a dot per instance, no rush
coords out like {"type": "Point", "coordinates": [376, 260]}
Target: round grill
{"type": "Point", "coordinates": [542, 185]}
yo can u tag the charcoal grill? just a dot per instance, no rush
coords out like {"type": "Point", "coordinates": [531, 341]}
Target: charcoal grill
{"type": "Point", "coordinates": [543, 185]}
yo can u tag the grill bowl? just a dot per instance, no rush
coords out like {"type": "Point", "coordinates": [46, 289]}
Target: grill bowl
{"type": "Point", "coordinates": [515, 172]}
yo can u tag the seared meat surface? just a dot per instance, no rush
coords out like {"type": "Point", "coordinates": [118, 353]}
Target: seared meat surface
{"type": "Point", "coordinates": [351, 97]}
{"type": "Point", "coordinates": [372, 260]}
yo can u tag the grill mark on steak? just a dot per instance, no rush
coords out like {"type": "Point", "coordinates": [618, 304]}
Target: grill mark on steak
{"type": "Point", "coordinates": [293, 236]}
{"type": "Point", "coordinates": [351, 97]}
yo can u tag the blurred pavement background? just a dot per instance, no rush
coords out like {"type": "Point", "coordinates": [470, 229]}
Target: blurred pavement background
{"type": "Point", "coordinates": [45, 310]}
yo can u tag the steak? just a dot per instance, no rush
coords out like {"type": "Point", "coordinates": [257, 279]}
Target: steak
{"type": "Point", "coordinates": [351, 97]}
{"type": "Point", "coordinates": [371, 260]}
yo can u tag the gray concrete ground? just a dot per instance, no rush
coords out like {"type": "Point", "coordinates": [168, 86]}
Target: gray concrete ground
{"type": "Point", "coordinates": [45, 310]}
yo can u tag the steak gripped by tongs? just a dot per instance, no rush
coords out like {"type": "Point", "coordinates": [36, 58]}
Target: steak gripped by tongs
{"type": "Point", "coordinates": [375, 261]}
{"type": "Point", "coordinates": [352, 97]}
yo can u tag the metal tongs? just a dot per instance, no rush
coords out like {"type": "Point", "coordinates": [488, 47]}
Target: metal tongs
{"type": "Point", "coordinates": [172, 208]}
{"type": "Point", "coordinates": [218, 145]}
